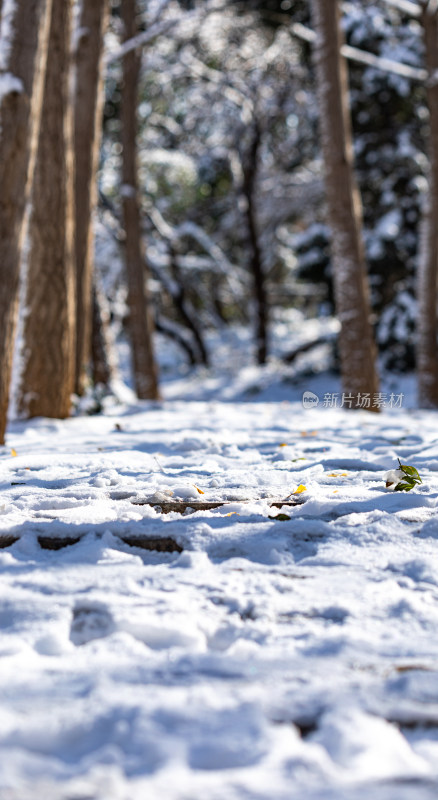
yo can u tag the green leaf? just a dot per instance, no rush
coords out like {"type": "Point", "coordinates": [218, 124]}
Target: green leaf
{"type": "Point", "coordinates": [405, 486]}
{"type": "Point", "coordinates": [410, 471]}
{"type": "Point", "coordinates": [281, 517]}
{"type": "Point", "coordinates": [411, 480]}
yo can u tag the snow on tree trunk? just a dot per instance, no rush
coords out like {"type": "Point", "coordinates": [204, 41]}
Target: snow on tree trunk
{"type": "Point", "coordinates": [427, 353]}
{"type": "Point", "coordinates": [87, 134]}
{"type": "Point", "coordinates": [140, 316]}
{"type": "Point", "coordinates": [48, 357]}
{"type": "Point", "coordinates": [23, 53]}
{"type": "Point", "coordinates": [356, 343]}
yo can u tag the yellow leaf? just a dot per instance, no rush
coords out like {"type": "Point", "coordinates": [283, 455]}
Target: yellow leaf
{"type": "Point", "coordinates": [14, 452]}
{"type": "Point", "coordinates": [335, 491]}
{"type": "Point", "coordinates": [300, 489]}
{"type": "Point", "coordinates": [198, 490]}
{"type": "Point", "coordinates": [283, 444]}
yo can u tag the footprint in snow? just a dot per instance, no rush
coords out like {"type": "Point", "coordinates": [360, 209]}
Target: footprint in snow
{"type": "Point", "coordinates": [89, 622]}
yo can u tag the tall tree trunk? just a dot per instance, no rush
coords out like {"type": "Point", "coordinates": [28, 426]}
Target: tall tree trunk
{"type": "Point", "coordinates": [249, 168]}
{"type": "Point", "coordinates": [87, 135]}
{"type": "Point", "coordinates": [140, 316]}
{"type": "Point", "coordinates": [49, 325]}
{"type": "Point", "coordinates": [427, 351]}
{"type": "Point", "coordinates": [24, 33]}
{"type": "Point", "coordinates": [356, 343]}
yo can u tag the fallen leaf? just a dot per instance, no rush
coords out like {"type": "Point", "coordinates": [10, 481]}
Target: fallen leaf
{"type": "Point", "coordinates": [14, 452]}
{"type": "Point", "coordinates": [299, 489]}
{"type": "Point", "coordinates": [198, 490]}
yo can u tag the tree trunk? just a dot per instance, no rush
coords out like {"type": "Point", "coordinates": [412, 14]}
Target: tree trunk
{"type": "Point", "coordinates": [140, 317]}
{"type": "Point", "coordinates": [356, 343]}
{"type": "Point", "coordinates": [24, 39]}
{"type": "Point", "coordinates": [49, 325]}
{"type": "Point", "coordinates": [249, 168]}
{"type": "Point", "coordinates": [87, 135]}
{"type": "Point", "coordinates": [101, 367]}
{"type": "Point", "coordinates": [427, 352]}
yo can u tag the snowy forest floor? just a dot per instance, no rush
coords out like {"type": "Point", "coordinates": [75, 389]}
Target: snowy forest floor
{"type": "Point", "coordinates": [259, 659]}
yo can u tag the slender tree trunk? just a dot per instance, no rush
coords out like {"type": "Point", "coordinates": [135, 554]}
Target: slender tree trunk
{"type": "Point", "coordinates": [49, 324]}
{"type": "Point", "coordinates": [140, 316]}
{"type": "Point", "coordinates": [101, 367]}
{"type": "Point", "coordinates": [356, 343]}
{"type": "Point", "coordinates": [24, 34]}
{"type": "Point", "coordinates": [249, 168]}
{"type": "Point", "coordinates": [87, 135]}
{"type": "Point", "coordinates": [427, 351]}
{"type": "Point", "coordinates": [185, 309]}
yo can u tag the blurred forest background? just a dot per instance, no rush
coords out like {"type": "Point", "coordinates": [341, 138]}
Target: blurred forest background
{"type": "Point", "coordinates": [190, 167]}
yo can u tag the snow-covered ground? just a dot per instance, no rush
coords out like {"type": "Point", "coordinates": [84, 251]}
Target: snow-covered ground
{"type": "Point", "coordinates": [261, 659]}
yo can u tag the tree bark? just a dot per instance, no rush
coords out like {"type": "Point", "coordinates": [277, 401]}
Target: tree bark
{"type": "Point", "coordinates": [356, 342]}
{"type": "Point", "coordinates": [48, 357]}
{"type": "Point", "coordinates": [140, 316]}
{"type": "Point", "coordinates": [427, 352]}
{"type": "Point", "coordinates": [24, 37]}
{"type": "Point", "coordinates": [249, 168]}
{"type": "Point", "coordinates": [87, 134]}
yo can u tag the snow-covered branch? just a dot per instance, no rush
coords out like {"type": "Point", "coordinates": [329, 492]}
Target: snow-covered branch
{"type": "Point", "coordinates": [406, 6]}
{"type": "Point", "coordinates": [160, 28]}
{"type": "Point", "coordinates": [363, 57]}
{"type": "Point", "coordinates": [190, 229]}
{"type": "Point", "coordinates": [237, 96]}
{"type": "Point", "coordinates": [384, 64]}
{"type": "Point", "coordinates": [146, 37]}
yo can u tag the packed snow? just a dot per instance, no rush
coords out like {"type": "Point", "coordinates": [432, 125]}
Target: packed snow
{"type": "Point", "coordinates": [264, 652]}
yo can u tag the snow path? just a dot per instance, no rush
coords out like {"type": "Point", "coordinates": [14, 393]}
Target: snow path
{"type": "Point", "coordinates": [271, 659]}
